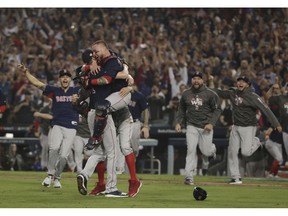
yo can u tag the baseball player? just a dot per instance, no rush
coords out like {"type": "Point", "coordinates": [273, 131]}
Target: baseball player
{"type": "Point", "coordinates": [123, 124]}
{"type": "Point", "coordinates": [200, 108]}
{"type": "Point", "coordinates": [101, 152]}
{"type": "Point", "coordinates": [44, 117]}
{"type": "Point", "coordinates": [274, 145]}
{"type": "Point", "coordinates": [63, 125]}
{"type": "Point", "coordinates": [102, 102]}
{"type": "Point", "coordinates": [138, 106]}
{"type": "Point", "coordinates": [276, 141]}
{"type": "Point", "coordinates": [82, 136]}
{"type": "Point", "coordinates": [245, 104]}
{"type": "Point", "coordinates": [112, 98]}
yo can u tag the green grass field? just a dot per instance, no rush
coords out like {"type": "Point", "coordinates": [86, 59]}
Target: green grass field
{"type": "Point", "coordinates": [24, 190]}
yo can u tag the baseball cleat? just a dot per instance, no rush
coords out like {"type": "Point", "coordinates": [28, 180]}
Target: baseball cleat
{"type": "Point", "coordinates": [98, 189]}
{"type": "Point", "coordinates": [188, 181]}
{"type": "Point", "coordinates": [116, 194]}
{"type": "Point", "coordinates": [134, 187]}
{"type": "Point", "coordinates": [47, 181]}
{"type": "Point", "coordinates": [57, 183]}
{"type": "Point", "coordinates": [82, 184]}
{"type": "Point", "coordinates": [235, 181]}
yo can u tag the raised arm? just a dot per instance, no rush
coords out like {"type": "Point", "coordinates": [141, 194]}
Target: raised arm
{"type": "Point", "coordinates": [33, 80]}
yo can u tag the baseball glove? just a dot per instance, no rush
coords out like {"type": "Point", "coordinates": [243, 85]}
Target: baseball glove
{"type": "Point", "coordinates": [199, 193]}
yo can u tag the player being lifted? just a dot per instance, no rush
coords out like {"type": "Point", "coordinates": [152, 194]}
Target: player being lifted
{"type": "Point", "coordinates": [105, 81]}
{"type": "Point", "coordinates": [98, 79]}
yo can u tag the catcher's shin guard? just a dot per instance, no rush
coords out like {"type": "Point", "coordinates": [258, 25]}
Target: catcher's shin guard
{"type": "Point", "coordinates": [100, 119]}
{"type": "Point", "coordinates": [99, 126]}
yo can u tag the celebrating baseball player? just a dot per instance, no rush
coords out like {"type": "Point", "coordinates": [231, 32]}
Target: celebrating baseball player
{"type": "Point", "coordinates": [277, 141]}
{"type": "Point", "coordinates": [63, 125]}
{"type": "Point", "coordinates": [200, 108]}
{"type": "Point", "coordinates": [138, 106]}
{"type": "Point", "coordinates": [109, 97]}
{"type": "Point", "coordinates": [105, 102]}
{"type": "Point", "coordinates": [245, 105]}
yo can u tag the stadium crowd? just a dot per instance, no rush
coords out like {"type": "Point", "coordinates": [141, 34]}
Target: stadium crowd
{"type": "Point", "coordinates": [163, 46]}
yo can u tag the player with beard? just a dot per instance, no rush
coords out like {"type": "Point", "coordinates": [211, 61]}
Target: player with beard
{"type": "Point", "coordinates": [245, 104]}
{"type": "Point", "coordinates": [199, 110]}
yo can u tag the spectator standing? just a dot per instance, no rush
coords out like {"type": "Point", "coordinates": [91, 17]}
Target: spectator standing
{"type": "Point", "coordinates": [23, 112]}
{"type": "Point", "coordinates": [156, 103]}
{"type": "Point", "coordinates": [269, 75]}
{"type": "Point", "coordinates": [171, 110]}
{"type": "Point", "coordinates": [178, 75]}
{"type": "Point", "coordinates": [15, 159]}
{"type": "Point", "coordinates": [3, 104]}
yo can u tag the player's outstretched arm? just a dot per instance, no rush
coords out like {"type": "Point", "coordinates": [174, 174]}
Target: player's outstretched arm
{"type": "Point", "coordinates": [33, 80]}
{"type": "Point", "coordinates": [43, 115]}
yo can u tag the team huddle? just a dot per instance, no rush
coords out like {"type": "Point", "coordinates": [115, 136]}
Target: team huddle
{"type": "Point", "coordinates": [102, 98]}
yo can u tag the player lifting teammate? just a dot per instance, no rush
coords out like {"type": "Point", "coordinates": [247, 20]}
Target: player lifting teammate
{"type": "Point", "coordinates": [108, 95]}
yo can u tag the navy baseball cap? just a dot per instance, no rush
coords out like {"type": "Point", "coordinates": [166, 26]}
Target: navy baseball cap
{"type": "Point", "coordinates": [197, 73]}
{"type": "Point", "coordinates": [245, 79]}
{"type": "Point", "coordinates": [64, 72]}
{"type": "Point", "coordinates": [87, 56]}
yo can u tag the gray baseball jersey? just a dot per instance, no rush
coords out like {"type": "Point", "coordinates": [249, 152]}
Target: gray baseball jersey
{"type": "Point", "coordinates": [198, 107]}
{"type": "Point", "coordinates": [242, 135]}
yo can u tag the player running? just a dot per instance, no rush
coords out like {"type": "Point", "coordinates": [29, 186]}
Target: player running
{"type": "Point", "coordinates": [245, 104]}
{"type": "Point", "coordinates": [63, 125]}
{"type": "Point", "coordinates": [277, 141]}
{"type": "Point", "coordinates": [199, 110]}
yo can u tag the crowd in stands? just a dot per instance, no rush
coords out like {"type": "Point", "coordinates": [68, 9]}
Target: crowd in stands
{"type": "Point", "coordinates": [163, 47]}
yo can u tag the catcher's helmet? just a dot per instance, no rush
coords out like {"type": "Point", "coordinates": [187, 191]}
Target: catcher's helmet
{"type": "Point", "coordinates": [199, 193]}
{"type": "Point", "coordinates": [87, 56]}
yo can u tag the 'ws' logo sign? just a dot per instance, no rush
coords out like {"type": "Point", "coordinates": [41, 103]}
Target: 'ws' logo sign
{"type": "Point", "coordinates": [238, 100]}
{"type": "Point", "coordinates": [197, 102]}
